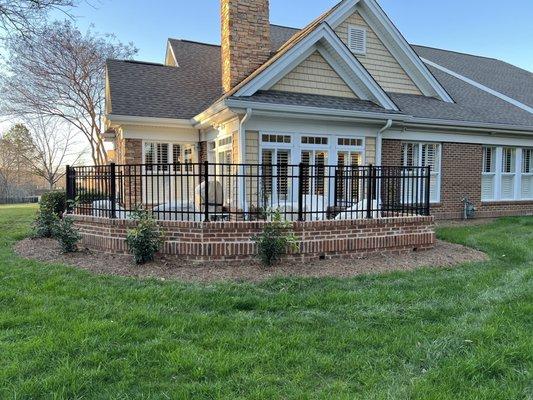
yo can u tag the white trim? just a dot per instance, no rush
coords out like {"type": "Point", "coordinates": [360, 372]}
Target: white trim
{"type": "Point", "coordinates": [367, 87]}
{"type": "Point", "coordinates": [169, 46]}
{"type": "Point", "coordinates": [311, 110]}
{"type": "Point", "coordinates": [486, 139]}
{"type": "Point", "coordinates": [341, 13]}
{"type": "Point", "coordinates": [480, 86]}
{"type": "Point", "coordinates": [163, 122]}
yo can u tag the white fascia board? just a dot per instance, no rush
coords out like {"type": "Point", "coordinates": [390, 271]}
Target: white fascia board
{"type": "Point", "coordinates": [467, 125]}
{"type": "Point", "coordinates": [463, 137]}
{"type": "Point", "coordinates": [316, 111]}
{"type": "Point", "coordinates": [162, 122]}
{"type": "Point", "coordinates": [402, 51]}
{"type": "Point", "coordinates": [341, 13]}
{"type": "Point", "coordinates": [307, 46]}
{"type": "Point", "coordinates": [480, 86]}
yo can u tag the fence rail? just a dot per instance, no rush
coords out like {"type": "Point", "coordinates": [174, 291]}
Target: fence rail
{"type": "Point", "coordinates": [229, 192]}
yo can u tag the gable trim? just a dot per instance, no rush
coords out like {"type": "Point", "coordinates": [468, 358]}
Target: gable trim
{"type": "Point", "coordinates": [169, 48]}
{"type": "Point", "coordinates": [480, 86]}
{"type": "Point", "coordinates": [363, 85]}
{"type": "Point", "coordinates": [387, 32]}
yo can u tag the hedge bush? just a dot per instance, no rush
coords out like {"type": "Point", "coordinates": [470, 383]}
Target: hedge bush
{"type": "Point", "coordinates": [55, 201]}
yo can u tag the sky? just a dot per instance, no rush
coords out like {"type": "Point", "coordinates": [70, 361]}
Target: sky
{"type": "Point", "coordinates": [484, 27]}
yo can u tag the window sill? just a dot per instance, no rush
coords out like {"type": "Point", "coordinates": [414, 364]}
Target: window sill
{"type": "Point", "coordinates": [504, 202]}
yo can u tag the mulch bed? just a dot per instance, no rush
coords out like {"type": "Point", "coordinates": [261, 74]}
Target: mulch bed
{"type": "Point", "coordinates": [443, 255]}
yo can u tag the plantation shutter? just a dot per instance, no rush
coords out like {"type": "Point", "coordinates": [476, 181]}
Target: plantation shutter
{"type": "Point", "coordinates": [527, 174]}
{"type": "Point", "coordinates": [267, 173]}
{"type": "Point", "coordinates": [282, 173]}
{"type": "Point", "coordinates": [430, 157]}
{"type": "Point", "coordinates": [508, 173]}
{"type": "Point", "coordinates": [488, 177]}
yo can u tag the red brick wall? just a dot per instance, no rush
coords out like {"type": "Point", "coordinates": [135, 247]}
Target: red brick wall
{"type": "Point", "coordinates": [461, 167]}
{"type": "Point", "coordinates": [233, 240]}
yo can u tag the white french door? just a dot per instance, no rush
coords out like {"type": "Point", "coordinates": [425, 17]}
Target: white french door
{"type": "Point", "coordinates": [276, 185]}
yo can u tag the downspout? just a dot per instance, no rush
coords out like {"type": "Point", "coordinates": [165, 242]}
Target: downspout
{"type": "Point", "coordinates": [379, 141]}
{"type": "Point", "coordinates": [242, 160]}
{"type": "Point", "coordinates": [379, 147]}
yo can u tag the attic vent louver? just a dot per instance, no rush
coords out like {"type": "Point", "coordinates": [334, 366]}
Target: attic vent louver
{"type": "Point", "coordinates": [357, 39]}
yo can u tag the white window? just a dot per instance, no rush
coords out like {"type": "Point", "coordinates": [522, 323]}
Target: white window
{"type": "Point", "coordinates": [314, 140]}
{"type": "Point", "coordinates": [488, 177]}
{"type": "Point", "coordinates": [527, 174]}
{"type": "Point", "coordinates": [162, 155]}
{"type": "Point", "coordinates": [507, 174]}
{"type": "Point", "coordinates": [315, 171]}
{"type": "Point", "coordinates": [357, 39]}
{"type": "Point", "coordinates": [424, 155]}
{"type": "Point", "coordinates": [351, 142]}
{"type": "Point", "coordinates": [275, 172]}
{"type": "Point", "coordinates": [276, 139]}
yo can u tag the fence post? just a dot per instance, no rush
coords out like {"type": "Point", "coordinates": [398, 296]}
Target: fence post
{"type": "Point", "coordinates": [68, 188]}
{"type": "Point", "coordinates": [336, 188]}
{"type": "Point", "coordinates": [206, 191]}
{"type": "Point", "coordinates": [113, 189]}
{"type": "Point", "coordinates": [428, 190]}
{"type": "Point", "coordinates": [300, 192]}
{"type": "Point", "coordinates": [369, 197]}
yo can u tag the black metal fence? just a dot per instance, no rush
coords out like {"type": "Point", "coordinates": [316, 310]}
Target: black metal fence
{"type": "Point", "coordinates": [19, 200]}
{"type": "Point", "coordinates": [251, 192]}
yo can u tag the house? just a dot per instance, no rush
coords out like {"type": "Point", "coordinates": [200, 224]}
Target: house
{"type": "Point", "coordinates": [347, 89]}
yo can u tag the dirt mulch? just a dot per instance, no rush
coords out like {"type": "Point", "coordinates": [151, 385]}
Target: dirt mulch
{"type": "Point", "coordinates": [443, 255]}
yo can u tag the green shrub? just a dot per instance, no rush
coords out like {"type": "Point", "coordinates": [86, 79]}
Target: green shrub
{"type": "Point", "coordinates": [145, 240]}
{"type": "Point", "coordinates": [45, 222]}
{"type": "Point", "coordinates": [67, 235]}
{"type": "Point", "coordinates": [56, 201]}
{"type": "Point", "coordinates": [275, 240]}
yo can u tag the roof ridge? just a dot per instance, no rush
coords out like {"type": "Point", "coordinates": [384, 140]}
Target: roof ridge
{"type": "Point", "coordinates": [140, 62]}
{"type": "Point", "coordinates": [195, 42]}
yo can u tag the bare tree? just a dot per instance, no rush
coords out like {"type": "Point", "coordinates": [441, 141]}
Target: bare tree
{"type": "Point", "coordinates": [53, 145]}
{"type": "Point", "coordinates": [24, 16]}
{"type": "Point", "coordinates": [15, 175]}
{"type": "Point", "coordinates": [61, 73]}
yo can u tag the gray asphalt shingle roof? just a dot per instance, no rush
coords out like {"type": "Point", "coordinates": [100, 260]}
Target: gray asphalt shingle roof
{"type": "Point", "coordinates": [313, 100]}
{"type": "Point", "coordinates": [495, 74]}
{"type": "Point", "coordinates": [155, 90]}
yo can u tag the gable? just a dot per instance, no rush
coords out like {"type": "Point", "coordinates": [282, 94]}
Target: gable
{"type": "Point", "coordinates": [314, 76]}
{"type": "Point", "coordinates": [378, 60]}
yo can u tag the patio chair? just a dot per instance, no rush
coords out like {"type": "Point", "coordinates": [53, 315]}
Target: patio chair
{"type": "Point", "coordinates": [358, 211]}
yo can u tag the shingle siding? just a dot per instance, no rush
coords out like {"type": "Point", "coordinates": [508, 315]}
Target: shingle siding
{"type": "Point", "coordinates": [378, 60]}
{"type": "Point", "coordinates": [314, 76]}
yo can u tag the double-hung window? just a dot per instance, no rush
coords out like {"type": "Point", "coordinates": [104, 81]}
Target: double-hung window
{"type": "Point", "coordinates": [488, 175]}
{"type": "Point", "coordinates": [507, 174]}
{"type": "Point", "coordinates": [416, 155]}
{"type": "Point", "coordinates": [527, 174]}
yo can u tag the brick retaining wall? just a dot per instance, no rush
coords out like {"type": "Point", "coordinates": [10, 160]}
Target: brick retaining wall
{"type": "Point", "coordinates": [233, 240]}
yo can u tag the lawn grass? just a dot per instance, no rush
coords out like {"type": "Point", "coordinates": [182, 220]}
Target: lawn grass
{"type": "Point", "coordinates": [463, 333]}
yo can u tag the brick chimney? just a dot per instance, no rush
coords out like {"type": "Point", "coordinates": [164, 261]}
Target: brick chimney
{"type": "Point", "coordinates": [245, 39]}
